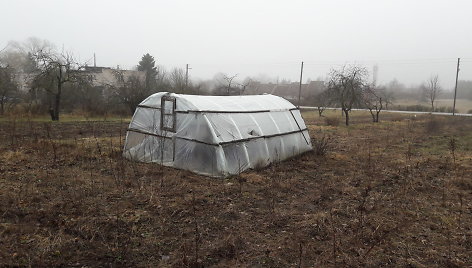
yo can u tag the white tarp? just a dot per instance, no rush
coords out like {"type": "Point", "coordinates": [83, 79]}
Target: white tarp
{"type": "Point", "coordinates": [215, 135]}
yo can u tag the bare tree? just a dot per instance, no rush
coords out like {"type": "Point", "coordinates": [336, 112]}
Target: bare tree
{"type": "Point", "coordinates": [54, 71]}
{"type": "Point", "coordinates": [177, 80]}
{"type": "Point", "coordinates": [375, 100]}
{"type": "Point", "coordinates": [229, 81]}
{"type": "Point", "coordinates": [130, 90]}
{"type": "Point", "coordinates": [390, 98]}
{"type": "Point", "coordinates": [162, 79]}
{"type": "Point", "coordinates": [47, 69]}
{"type": "Point", "coordinates": [8, 88]}
{"type": "Point", "coordinates": [244, 85]}
{"type": "Point", "coordinates": [20, 55]}
{"type": "Point", "coordinates": [322, 101]}
{"type": "Point", "coordinates": [345, 87]}
{"type": "Point", "coordinates": [432, 89]}
{"type": "Point", "coordinates": [87, 97]}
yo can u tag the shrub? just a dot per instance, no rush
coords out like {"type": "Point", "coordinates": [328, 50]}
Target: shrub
{"type": "Point", "coordinates": [414, 108]}
{"type": "Point", "coordinates": [444, 109]}
{"type": "Point", "coordinates": [321, 145]}
{"type": "Point", "coordinates": [469, 111]}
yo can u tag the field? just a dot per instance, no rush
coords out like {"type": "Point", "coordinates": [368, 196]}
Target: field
{"type": "Point", "coordinates": [462, 105]}
{"type": "Point", "coordinates": [392, 194]}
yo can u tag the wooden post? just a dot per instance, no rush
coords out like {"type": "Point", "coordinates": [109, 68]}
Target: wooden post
{"type": "Point", "coordinates": [186, 77]}
{"type": "Point", "coordinates": [455, 88]}
{"type": "Point", "coordinates": [300, 86]}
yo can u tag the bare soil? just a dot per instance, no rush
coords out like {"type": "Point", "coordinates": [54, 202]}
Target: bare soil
{"type": "Point", "coordinates": [392, 194]}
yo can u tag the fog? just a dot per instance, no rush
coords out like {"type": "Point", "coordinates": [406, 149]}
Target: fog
{"type": "Point", "coordinates": [408, 40]}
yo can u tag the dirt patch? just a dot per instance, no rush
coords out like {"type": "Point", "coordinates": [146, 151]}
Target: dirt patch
{"type": "Point", "coordinates": [382, 196]}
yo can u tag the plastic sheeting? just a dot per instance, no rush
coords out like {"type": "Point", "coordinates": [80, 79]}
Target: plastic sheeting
{"type": "Point", "coordinates": [215, 135]}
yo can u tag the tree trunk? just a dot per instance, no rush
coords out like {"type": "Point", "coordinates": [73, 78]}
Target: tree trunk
{"type": "Point", "coordinates": [372, 114]}
{"type": "Point", "coordinates": [346, 112]}
{"type": "Point", "coordinates": [2, 107]}
{"type": "Point", "coordinates": [132, 108]}
{"type": "Point", "coordinates": [51, 112]}
{"type": "Point", "coordinates": [377, 117]}
{"type": "Point", "coordinates": [57, 101]}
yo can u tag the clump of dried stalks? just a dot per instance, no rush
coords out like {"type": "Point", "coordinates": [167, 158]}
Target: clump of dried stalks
{"type": "Point", "coordinates": [322, 144]}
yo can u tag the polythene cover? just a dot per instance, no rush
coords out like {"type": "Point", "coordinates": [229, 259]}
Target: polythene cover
{"type": "Point", "coordinates": [215, 135]}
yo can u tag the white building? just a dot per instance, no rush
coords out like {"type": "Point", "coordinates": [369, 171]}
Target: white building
{"type": "Point", "coordinates": [109, 77]}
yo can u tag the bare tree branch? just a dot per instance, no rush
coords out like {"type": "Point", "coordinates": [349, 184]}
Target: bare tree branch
{"type": "Point", "coordinates": [229, 81]}
{"type": "Point", "coordinates": [345, 87]}
{"type": "Point", "coordinates": [432, 89]}
{"type": "Point", "coordinates": [54, 71]}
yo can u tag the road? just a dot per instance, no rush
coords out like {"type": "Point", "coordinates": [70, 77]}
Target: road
{"type": "Point", "coordinates": [388, 111]}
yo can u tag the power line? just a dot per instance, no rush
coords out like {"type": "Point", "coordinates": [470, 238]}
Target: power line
{"type": "Point", "coordinates": [344, 62]}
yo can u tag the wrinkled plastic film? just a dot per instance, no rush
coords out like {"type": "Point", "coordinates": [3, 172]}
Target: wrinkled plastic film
{"type": "Point", "coordinates": [217, 136]}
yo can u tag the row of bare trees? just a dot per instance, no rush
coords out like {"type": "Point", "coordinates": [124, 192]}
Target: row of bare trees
{"type": "Point", "coordinates": [57, 77]}
{"type": "Point", "coordinates": [54, 70]}
{"type": "Point", "coordinates": [349, 87]}
{"type": "Point", "coordinates": [57, 81]}
{"type": "Point", "coordinates": [47, 70]}
{"type": "Point", "coordinates": [8, 88]}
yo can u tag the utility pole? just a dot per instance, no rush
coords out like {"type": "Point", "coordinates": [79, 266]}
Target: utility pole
{"type": "Point", "coordinates": [375, 71]}
{"type": "Point", "coordinates": [94, 60]}
{"type": "Point", "coordinates": [186, 77]}
{"type": "Point", "coordinates": [455, 88]}
{"type": "Point", "coordinates": [300, 86]}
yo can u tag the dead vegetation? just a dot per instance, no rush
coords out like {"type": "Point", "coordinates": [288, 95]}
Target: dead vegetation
{"type": "Point", "coordinates": [387, 194]}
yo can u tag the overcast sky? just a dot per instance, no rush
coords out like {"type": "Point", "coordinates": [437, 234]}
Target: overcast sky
{"type": "Point", "coordinates": [408, 39]}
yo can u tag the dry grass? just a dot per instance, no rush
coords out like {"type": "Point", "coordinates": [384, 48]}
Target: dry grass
{"type": "Point", "coordinates": [386, 194]}
{"type": "Point", "coordinates": [462, 105]}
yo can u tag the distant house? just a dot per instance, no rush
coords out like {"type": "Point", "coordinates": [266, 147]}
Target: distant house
{"type": "Point", "coordinates": [24, 80]}
{"type": "Point", "coordinates": [288, 91]}
{"type": "Point", "coordinates": [99, 77]}
{"type": "Point", "coordinates": [109, 77]}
